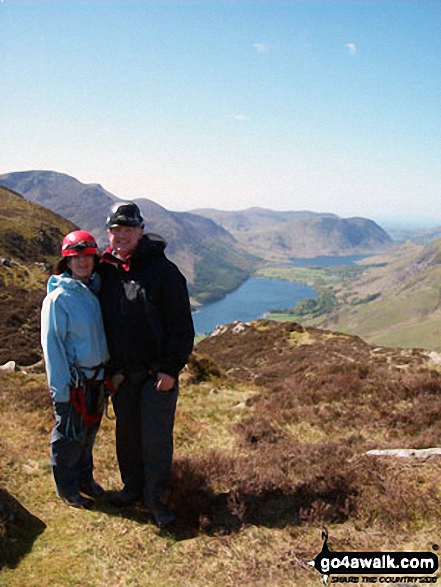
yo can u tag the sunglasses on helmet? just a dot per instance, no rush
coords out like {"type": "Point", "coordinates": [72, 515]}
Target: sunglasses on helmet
{"type": "Point", "coordinates": [80, 246]}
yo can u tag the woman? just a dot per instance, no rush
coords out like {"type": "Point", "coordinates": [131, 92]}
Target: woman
{"type": "Point", "coordinates": [75, 350]}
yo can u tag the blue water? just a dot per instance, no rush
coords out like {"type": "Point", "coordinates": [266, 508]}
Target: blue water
{"type": "Point", "coordinates": [257, 296]}
{"type": "Point", "coordinates": [250, 301]}
{"type": "Point", "coordinates": [327, 261]}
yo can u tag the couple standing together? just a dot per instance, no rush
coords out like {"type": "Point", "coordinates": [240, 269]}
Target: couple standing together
{"type": "Point", "coordinates": [118, 324]}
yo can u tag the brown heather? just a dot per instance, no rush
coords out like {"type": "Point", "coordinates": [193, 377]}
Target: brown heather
{"type": "Point", "coordinates": [272, 431]}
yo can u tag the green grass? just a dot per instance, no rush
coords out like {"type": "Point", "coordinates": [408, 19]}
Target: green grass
{"type": "Point", "coordinates": [198, 338]}
{"type": "Point", "coordinates": [29, 231]}
{"type": "Point", "coordinates": [424, 334]}
{"type": "Point", "coordinates": [370, 302]}
{"type": "Point", "coordinates": [308, 275]}
{"type": "Point", "coordinates": [321, 279]}
{"type": "Point", "coordinates": [102, 548]}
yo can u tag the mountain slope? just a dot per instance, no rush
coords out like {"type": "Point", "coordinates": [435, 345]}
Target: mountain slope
{"type": "Point", "coordinates": [29, 232]}
{"type": "Point", "coordinates": [278, 236]}
{"type": "Point", "coordinates": [406, 310]}
{"type": "Point", "coordinates": [255, 217]}
{"type": "Point", "coordinates": [84, 205]}
{"type": "Point", "coordinates": [207, 254]}
{"type": "Point", "coordinates": [30, 240]}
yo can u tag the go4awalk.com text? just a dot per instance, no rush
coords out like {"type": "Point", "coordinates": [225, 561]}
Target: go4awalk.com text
{"type": "Point", "coordinates": [400, 568]}
{"type": "Point", "coordinates": [378, 563]}
{"type": "Point", "coordinates": [385, 580]}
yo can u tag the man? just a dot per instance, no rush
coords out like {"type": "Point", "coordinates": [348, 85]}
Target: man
{"type": "Point", "coordinates": [150, 334]}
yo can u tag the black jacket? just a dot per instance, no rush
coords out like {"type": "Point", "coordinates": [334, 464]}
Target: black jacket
{"type": "Point", "coordinates": [146, 310]}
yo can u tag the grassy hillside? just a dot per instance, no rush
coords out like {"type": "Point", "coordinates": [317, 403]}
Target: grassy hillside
{"type": "Point", "coordinates": [29, 232]}
{"type": "Point", "coordinates": [406, 310]}
{"type": "Point", "coordinates": [86, 205]}
{"type": "Point", "coordinates": [391, 299]}
{"type": "Point", "coordinates": [30, 241]}
{"type": "Point", "coordinates": [273, 425]}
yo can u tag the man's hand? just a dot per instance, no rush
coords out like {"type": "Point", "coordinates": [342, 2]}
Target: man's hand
{"type": "Point", "coordinates": [112, 383]}
{"type": "Point", "coordinates": [164, 382]}
{"type": "Point", "coordinates": [117, 380]}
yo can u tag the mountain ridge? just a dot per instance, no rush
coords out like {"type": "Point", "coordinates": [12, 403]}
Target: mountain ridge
{"type": "Point", "coordinates": [280, 236]}
{"type": "Point", "coordinates": [255, 233]}
{"type": "Point", "coordinates": [190, 245]}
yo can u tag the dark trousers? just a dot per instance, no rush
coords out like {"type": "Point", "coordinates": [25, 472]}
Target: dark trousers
{"type": "Point", "coordinates": [71, 450]}
{"type": "Point", "coordinates": [144, 436]}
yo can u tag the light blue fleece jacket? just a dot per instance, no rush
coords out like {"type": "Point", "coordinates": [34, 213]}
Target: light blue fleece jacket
{"type": "Point", "coordinates": [72, 331]}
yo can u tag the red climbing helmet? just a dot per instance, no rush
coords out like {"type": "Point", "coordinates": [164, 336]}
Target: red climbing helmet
{"type": "Point", "coordinates": [78, 242]}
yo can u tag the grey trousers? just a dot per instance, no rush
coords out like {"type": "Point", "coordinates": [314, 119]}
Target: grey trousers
{"type": "Point", "coordinates": [71, 450]}
{"type": "Point", "coordinates": [144, 435]}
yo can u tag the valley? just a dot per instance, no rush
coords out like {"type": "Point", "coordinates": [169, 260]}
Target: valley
{"type": "Point", "coordinates": [390, 297]}
{"type": "Point", "coordinates": [217, 251]}
{"type": "Point", "coordinates": [273, 429]}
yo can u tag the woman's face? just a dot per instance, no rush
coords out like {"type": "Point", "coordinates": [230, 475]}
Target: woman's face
{"type": "Point", "coordinates": [81, 266]}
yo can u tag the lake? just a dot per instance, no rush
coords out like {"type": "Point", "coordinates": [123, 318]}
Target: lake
{"type": "Point", "coordinates": [257, 296]}
{"type": "Point", "coordinates": [250, 301]}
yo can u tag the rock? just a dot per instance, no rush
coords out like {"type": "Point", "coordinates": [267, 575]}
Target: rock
{"type": "Point", "coordinates": [422, 453]}
{"type": "Point", "coordinates": [240, 327]}
{"type": "Point", "coordinates": [9, 367]}
{"type": "Point", "coordinates": [240, 406]}
{"type": "Point", "coordinates": [219, 330]}
{"type": "Point", "coordinates": [435, 357]}
{"type": "Point", "coordinates": [6, 262]}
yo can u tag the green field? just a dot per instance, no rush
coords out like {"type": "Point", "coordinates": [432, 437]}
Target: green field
{"type": "Point", "coordinates": [391, 307]}
{"type": "Point", "coordinates": [323, 280]}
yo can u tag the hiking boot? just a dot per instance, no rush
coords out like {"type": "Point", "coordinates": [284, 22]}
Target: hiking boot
{"type": "Point", "coordinates": [77, 501]}
{"type": "Point", "coordinates": [124, 497]}
{"type": "Point", "coordinates": [92, 489]}
{"type": "Point", "coordinates": [162, 515]}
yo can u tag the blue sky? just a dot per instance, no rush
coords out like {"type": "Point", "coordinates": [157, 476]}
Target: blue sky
{"type": "Point", "coordinates": [327, 106]}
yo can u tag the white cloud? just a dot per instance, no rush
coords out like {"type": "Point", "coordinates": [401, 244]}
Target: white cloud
{"type": "Point", "coordinates": [352, 48]}
{"type": "Point", "coordinates": [237, 116]}
{"type": "Point", "coordinates": [261, 47]}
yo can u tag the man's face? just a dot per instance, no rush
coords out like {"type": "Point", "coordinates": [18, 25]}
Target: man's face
{"type": "Point", "coordinates": [124, 239]}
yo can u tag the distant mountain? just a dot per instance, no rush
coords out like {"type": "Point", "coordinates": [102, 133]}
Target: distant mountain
{"type": "Point", "coordinates": [279, 236]}
{"type": "Point", "coordinates": [415, 234]}
{"type": "Point", "coordinates": [253, 218]}
{"type": "Point", "coordinates": [427, 236]}
{"type": "Point", "coordinates": [207, 254]}
{"type": "Point", "coordinates": [84, 205]}
{"type": "Point", "coordinates": [215, 250]}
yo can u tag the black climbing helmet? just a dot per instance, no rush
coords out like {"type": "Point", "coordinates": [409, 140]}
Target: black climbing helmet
{"type": "Point", "coordinates": [124, 214]}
